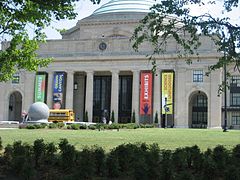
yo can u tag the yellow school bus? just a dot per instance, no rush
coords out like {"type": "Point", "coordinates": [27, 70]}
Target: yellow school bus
{"type": "Point", "coordinates": [61, 115]}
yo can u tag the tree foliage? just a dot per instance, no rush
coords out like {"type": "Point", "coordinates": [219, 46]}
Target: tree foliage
{"type": "Point", "coordinates": [172, 19]}
{"type": "Point", "coordinates": [16, 17]}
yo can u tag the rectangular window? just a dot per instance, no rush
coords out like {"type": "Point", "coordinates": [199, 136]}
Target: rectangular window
{"type": "Point", "coordinates": [197, 75]}
{"type": "Point", "coordinates": [236, 118]}
{"type": "Point", "coordinates": [16, 78]}
{"type": "Point", "coordinates": [235, 81]}
{"type": "Point", "coordinates": [235, 99]}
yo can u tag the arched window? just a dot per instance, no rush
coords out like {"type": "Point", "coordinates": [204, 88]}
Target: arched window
{"type": "Point", "coordinates": [199, 108]}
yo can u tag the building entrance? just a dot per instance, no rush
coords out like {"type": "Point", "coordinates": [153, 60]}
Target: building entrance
{"type": "Point", "coordinates": [125, 99]}
{"type": "Point", "coordinates": [15, 106]}
{"type": "Point", "coordinates": [199, 111]}
{"type": "Point", "coordinates": [101, 97]}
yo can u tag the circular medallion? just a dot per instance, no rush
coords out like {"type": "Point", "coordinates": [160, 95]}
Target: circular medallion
{"type": "Point", "coordinates": [102, 46]}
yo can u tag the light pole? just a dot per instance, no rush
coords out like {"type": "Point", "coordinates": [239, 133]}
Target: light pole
{"type": "Point", "coordinates": [225, 89]}
{"type": "Point", "coordinates": [225, 93]}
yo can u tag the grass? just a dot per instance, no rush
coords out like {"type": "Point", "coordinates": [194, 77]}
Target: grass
{"type": "Point", "coordinates": [165, 138]}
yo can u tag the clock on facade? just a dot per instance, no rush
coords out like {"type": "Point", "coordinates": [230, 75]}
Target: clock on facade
{"type": "Point", "coordinates": [102, 46]}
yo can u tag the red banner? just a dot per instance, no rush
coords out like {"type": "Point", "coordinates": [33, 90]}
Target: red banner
{"type": "Point", "coordinates": [146, 93]}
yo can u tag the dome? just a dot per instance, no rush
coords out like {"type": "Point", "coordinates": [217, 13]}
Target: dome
{"type": "Point", "coordinates": [38, 112]}
{"type": "Point", "coordinates": [125, 6]}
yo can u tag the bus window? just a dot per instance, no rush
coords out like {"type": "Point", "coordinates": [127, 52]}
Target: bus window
{"type": "Point", "coordinates": [61, 115]}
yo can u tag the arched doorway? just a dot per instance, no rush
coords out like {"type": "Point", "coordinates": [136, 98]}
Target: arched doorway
{"type": "Point", "coordinates": [198, 108]}
{"type": "Point", "coordinates": [15, 106]}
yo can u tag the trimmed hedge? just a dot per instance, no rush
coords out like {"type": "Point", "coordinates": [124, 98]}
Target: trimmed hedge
{"type": "Point", "coordinates": [98, 126]}
{"type": "Point", "coordinates": [127, 161]}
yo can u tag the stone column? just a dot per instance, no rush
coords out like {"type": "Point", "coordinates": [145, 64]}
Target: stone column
{"type": "Point", "coordinates": [156, 97]}
{"type": "Point", "coordinates": [215, 102]}
{"type": "Point", "coordinates": [50, 89]}
{"type": "Point", "coordinates": [114, 94]}
{"type": "Point", "coordinates": [89, 95]}
{"type": "Point", "coordinates": [135, 94]}
{"type": "Point", "coordinates": [181, 103]}
{"type": "Point", "coordinates": [69, 90]}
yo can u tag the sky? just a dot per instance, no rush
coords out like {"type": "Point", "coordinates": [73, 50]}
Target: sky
{"type": "Point", "coordinates": [85, 8]}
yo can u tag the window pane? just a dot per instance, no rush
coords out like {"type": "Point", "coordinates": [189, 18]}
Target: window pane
{"type": "Point", "coordinates": [235, 99]}
{"type": "Point", "coordinates": [235, 81]}
{"type": "Point", "coordinates": [16, 78]}
{"type": "Point", "coordinates": [198, 76]}
{"type": "Point", "coordinates": [236, 118]}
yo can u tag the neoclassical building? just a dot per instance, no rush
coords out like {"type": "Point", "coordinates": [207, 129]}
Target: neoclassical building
{"type": "Point", "coordinates": [95, 69]}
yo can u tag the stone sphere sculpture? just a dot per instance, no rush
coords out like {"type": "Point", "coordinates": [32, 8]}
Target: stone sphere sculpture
{"type": "Point", "coordinates": [38, 112]}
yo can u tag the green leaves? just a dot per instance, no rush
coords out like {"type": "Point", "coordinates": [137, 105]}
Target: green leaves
{"type": "Point", "coordinates": [172, 20]}
{"type": "Point", "coordinates": [15, 17]}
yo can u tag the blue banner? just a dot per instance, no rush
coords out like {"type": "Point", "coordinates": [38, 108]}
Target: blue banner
{"type": "Point", "coordinates": [58, 89]}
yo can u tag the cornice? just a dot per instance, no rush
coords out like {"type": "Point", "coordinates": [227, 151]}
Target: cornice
{"type": "Point", "coordinates": [97, 23]}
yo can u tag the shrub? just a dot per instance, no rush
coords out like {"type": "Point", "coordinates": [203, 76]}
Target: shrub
{"type": "Point", "coordinates": [133, 118]}
{"type": "Point", "coordinates": [50, 157]}
{"type": "Point", "coordinates": [149, 126]}
{"type": "Point", "coordinates": [85, 119]}
{"type": "Point", "coordinates": [208, 169]}
{"type": "Point", "coordinates": [43, 125]}
{"type": "Point", "coordinates": [166, 165]}
{"type": "Point", "coordinates": [60, 125]}
{"type": "Point", "coordinates": [153, 162]}
{"type": "Point", "coordinates": [100, 160]}
{"type": "Point", "coordinates": [92, 127]}
{"type": "Point", "coordinates": [87, 163]}
{"type": "Point", "coordinates": [21, 161]}
{"type": "Point", "coordinates": [112, 116]}
{"type": "Point", "coordinates": [52, 126]}
{"type": "Point", "coordinates": [75, 126]}
{"type": "Point", "coordinates": [236, 155]}
{"type": "Point", "coordinates": [39, 149]}
{"type": "Point", "coordinates": [37, 126]}
{"type": "Point", "coordinates": [1, 146]}
{"type": "Point", "coordinates": [67, 154]}
{"type": "Point", "coordinates": [113, 126]}
{"type": "Point", "coordinates": [130, 126]}
{"type": "Point", "coordinates": [30, 126]}
{"type": "Point", "coordinates": [126, 161]}
{"type": "Point", "coordinates": [82, 126]}
{"type": "Point", "coordinates": [101, 126]}
{"type": "Point", "coordinates": [220, 157]}
{"type": "Point", "coordinates": [112, 165]}
{"type": "Point", "coordinates": [156, 118]}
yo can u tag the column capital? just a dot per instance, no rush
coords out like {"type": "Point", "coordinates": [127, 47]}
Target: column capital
{"type": "Point", "coordinates": [69, 71]}
{"type": "Point", "coordinates": [50, 71]}
{"type": "Point", "coordinates": [136, 71]}
{"type": "Point", "coordinates": [115, 71]}
{"type": "Point", "coordinates": [89, 72]}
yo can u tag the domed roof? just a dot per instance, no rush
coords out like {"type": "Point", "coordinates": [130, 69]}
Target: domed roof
{"type": "Point", "coordinates": [125, 6]}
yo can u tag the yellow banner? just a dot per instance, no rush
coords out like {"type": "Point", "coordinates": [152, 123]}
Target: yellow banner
{"type": "Point", "coordinates": [167, 93]}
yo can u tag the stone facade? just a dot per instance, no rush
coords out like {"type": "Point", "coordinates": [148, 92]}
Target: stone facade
{"type": "Point", "coordinates": [81, 54]}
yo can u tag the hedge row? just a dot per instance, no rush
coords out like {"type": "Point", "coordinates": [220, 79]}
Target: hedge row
{"type": "Point", "coordinates": [99, 126]}
{"type": "Point", "coordinates": [127, 161]}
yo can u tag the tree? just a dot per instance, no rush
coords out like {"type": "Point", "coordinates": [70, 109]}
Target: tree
{"type": "Point", "coordinates": [15, 17]}
{"type": "Point", "coordinates": [172, 19]}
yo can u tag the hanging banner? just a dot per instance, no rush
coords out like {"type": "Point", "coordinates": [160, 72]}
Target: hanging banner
{"type": "Point", "coordinates": [40, 88]}
{"type": "Point", "coordinates": [146, 93]}
{"type": "Point", "coordinates": [167, 93]}
{"type": "Point", "coordinates": [58, 89]}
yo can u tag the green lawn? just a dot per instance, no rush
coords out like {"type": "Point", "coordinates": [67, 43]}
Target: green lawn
{"type": "Point", "coordinates": [166, 138]}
